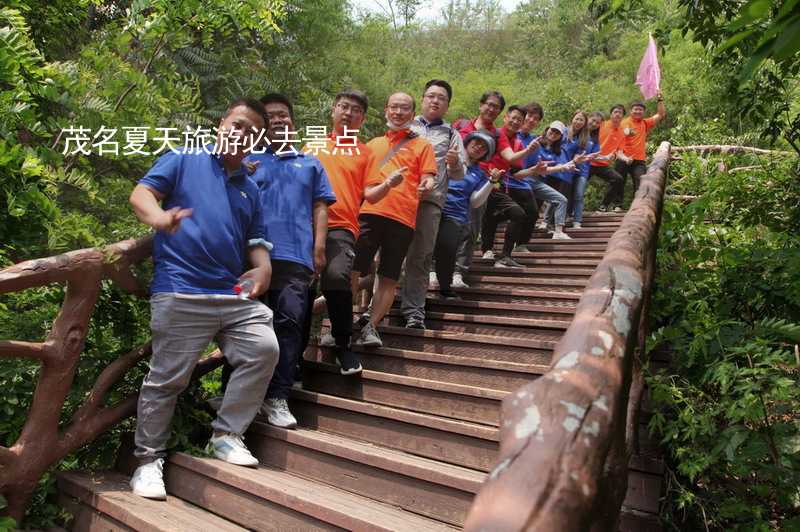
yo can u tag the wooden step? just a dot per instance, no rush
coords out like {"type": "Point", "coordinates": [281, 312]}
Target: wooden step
{"type": "Point", "coordinates": [420, 485]}
{"type": "Point", "coordinates": [462, 443]}
{"type": "Point", "coordinates": [487, 325]}
{"type": "Point", "coordinates": [550, 296]}
{"type": "Point", "coordinates": [268, 499]}
{"type": "Point", "coordinates": [533, 267]}
{"type": "Point", "coordinates": [484, 373]}
{"type": "Point", "coordinates": [104, 501]}
{"type": "Point", "coordinates": [568, 253]}
{"type": "Point", "coordinates": [536, 349]}
{"type": "Point", "coordinates": [522, 281]}
{"type": "Point", "coordinates": [555, 323]}
{"type": "Point", "coordinates": [544, 310]}
{"type": "Point", "coordinates": [446, 399]}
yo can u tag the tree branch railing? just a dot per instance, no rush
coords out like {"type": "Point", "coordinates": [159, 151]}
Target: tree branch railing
{"type": "Point", "coordinates": [567, 437]}
{"type": "Point", "coordinates": [42, 443]}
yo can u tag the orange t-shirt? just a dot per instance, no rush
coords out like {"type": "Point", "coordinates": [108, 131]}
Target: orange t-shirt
{"type": "Point", "coordinates": [348, 170]}
{"type": "Point", "coordinates": [636, 137]}
{"type": "Point", "coordinates": [611, 139]}
{"type": "Point", "coordinates": [401, 203]}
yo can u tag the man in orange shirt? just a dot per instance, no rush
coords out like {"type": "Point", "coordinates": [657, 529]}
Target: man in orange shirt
{"type": "Point", "coordinates": [632, 159]}
{"type": "Point", "coordinates": [610, 138]}
{"type": "Point", "coordinates": [406, 169]}
{"type": "Point", "coordinates": [349, 163]}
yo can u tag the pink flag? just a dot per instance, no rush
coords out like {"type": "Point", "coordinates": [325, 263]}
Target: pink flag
{"type": "Point", "coordinates": [649, 76]}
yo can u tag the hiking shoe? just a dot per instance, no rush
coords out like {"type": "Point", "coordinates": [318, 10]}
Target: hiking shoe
{"type": "Point", "coordinates": [362, 321]}
{"type": "Point", "coordinates": [576, 225]}
{"type": "Point", "coordinates": [277, 413]}
{"type": "Point", "coordinates": [369, 337]}
{"type": "Point", "coordinates": [349, 362]}
{"type": "Point", "coordinates": [522, 248]}
{"type": "Point", "coordinates": [602, 208]}
{"type": "Point", "coordinates": [230, 448]}
{"type": "Point", "coordinates": [415, 323]}
{"type": "Point", "coordinates": [507, 262]}
{"type": "Point", "coordinates": [449, 294]}
{"type": "Point", "coordinates": [148, 480]}
{"type": "Point", "coordinates": [488, 255]}
{"type": "Point", "coordinates": [561, 235]}
{"type": "Point", "coordinates": [458, 281]}
{"type": "Point", "coordinates": [327, 340]}
{"type": "Point", "coordinates": [433, 281]}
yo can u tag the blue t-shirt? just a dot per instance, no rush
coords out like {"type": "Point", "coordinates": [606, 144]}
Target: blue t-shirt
{"type": "Point", "coordinates": [208, 252]}
{"type": "Point", "coordinates": [554, 159]}
{"type": "Point", "coordinates": [459, 191]}
{"type": "Point", "coordinates": [290, 184]}
{"type": "Point", "coordinates": [574, 149]}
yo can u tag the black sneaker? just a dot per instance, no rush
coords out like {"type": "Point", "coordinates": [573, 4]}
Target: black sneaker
{"type": "Point", "coordinates": [415, 323]}
{"type": "Point", "coordinates": [362, 321]}
{"type": "Point", "coordinates": [349, 362]}
{"type": "Point", "coordinates": [449, 294]}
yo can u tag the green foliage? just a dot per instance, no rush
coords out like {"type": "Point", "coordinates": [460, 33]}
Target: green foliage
{"type": "Point", "coordinates": [728, 305]}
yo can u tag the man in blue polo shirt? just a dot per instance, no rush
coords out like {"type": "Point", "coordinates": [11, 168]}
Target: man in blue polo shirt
{"type": "Point", "coordinates": [295, 194]}
{"type": "Point", "coordinates": [208, 223]}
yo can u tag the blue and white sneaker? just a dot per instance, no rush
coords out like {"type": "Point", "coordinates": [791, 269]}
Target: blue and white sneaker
{"type": "Point", "coordinates": [230, 448]}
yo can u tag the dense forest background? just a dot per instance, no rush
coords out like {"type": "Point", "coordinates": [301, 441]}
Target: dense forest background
{"type": "Point", "coordinates": [728, 297]}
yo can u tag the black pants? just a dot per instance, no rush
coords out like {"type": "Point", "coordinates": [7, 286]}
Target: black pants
{"type": "Point", "coordinates": [288, 298]}
{"type": "Point", "coordinates": [635, 170]}
{"type": "Point", "coordinates": [615, 182]}
{"type": "Point", "coordinates": [500, 207]}
{"type": "Point", "coordinates": [335, 283]}
{"type": "Point", "coordinates": [525, 199]}
{"type": "Point", "coordinates": [451, 232]}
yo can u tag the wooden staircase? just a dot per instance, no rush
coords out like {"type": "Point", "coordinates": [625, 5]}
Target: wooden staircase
{"type": "Point", "coordinates": [406, 445]}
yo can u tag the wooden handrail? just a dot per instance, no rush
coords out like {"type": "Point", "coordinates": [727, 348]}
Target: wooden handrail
{"type": "Point", "coordinates": [566, 437]}
{"type": "Point", "coordinates": [41, 444]}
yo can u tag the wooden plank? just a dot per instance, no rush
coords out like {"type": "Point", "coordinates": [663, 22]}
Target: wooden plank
{"type": "Point", "coordinates": [331, 506]}
{"type": "Point", "coordinates": [109, 493]}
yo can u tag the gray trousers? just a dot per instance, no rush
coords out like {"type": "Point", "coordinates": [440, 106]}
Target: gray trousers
{"type": "Point", "coordinates": [183, 326]}
{"type": "Point", "coordinates": [464, 255]}
{"type": "Point", "coordinates": [418, 261]}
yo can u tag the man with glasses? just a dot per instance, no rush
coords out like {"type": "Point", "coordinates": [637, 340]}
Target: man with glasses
{"type": "Point", "coordinates": [500, 205]}
{"type": "Point", "coordinates": [448, 149]}
{"type": "Point", "coordinates": [406, 170]}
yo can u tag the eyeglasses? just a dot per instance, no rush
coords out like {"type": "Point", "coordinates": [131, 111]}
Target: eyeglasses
{"type": "Point", "coordinates": [354, 109]}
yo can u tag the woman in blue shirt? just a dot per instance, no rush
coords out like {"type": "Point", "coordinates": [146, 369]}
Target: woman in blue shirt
{"type": "Point", "coordinates": [462, 196]}
{"type": "Point", "coordinates": [579, 143]}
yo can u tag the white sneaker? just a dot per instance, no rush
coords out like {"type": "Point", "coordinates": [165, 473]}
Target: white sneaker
{"type": "Point", "coordinates": [561, 235]}
{"type": "Point", "coordinates": [327, 340]}
{"type": "Point", "coordinates": [230, 448]}
{"type": "Point", "coordinates": [576, 225]}
{"type": "Point", "coordinates": [458, 281]}
{"type": "Point", "coordinates": [617, 209]}
{"type": "Point", "coordinates": [489, 255]}
{"type": "Point", "coordinates": [148, 480]}
{"type": "Point", "coordinates": [542, 226]}
{"type": "Point", "coordinates": [278, 414]}
{"type": "Point", "coordinates": [433, 281]}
